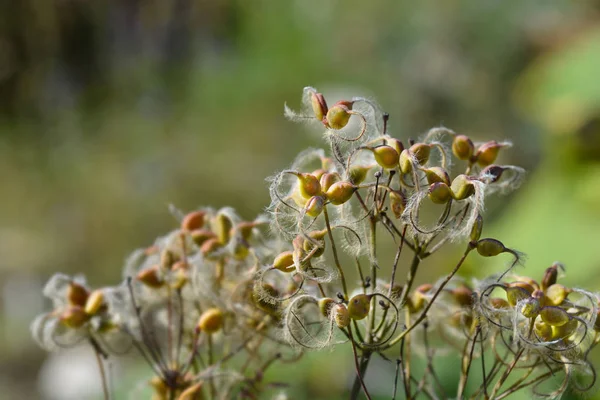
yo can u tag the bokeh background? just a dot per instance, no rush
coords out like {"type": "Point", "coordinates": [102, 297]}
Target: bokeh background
{"type": "Point", "coordinates": [110, 111]}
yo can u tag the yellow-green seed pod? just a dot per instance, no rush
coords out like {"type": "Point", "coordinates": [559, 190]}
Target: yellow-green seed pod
{"type": "Point", "coordinates": [359, 306]}
{"type": "Point", "coordinates": [523, 284]}
{"type": "Point", "coordinates": [439, 193]}
{"type": "Point", "coordinates": [77, 294]}
{"type": "Point", "coordinates": [463, 295]}
{"type": "Point", "coordinates": [180, 275]}
{"type": "Point", "coordinates": [326, 304]}
{"type": "Point", "coordinates": [262, 303]}
{"type": "Point", "coordinates": [192, 221]}
{"type": "Point", "coordinates": [554, 316]}
{"type": "Point", "coordinates": [421, 152]}
{"type": "Point", "coordinates": [358, 173]}
{"type": "Point", "coordinates": [341, 315]}
{"type": "Point", "coordinates": [487, 153]}
{"type": "Point", "coordinates": [543, 330]}
{"type": "Point", "coordinates": [319, 237]}
{"type": "Point", "coordinates": [405, 162]}
{"type": "Point", "coordinates": [318, 173]}
{"type": "Point", "coordinates": [530, 307]}
{"type": "Point", "coordinates": [490, 247]}
{"type": "Point", "coordinates": [210, 247]}
{"type": "Point", "coordinates": [556, 294]}
{"type": "Point", "coordinates": [419, 297]}
{"type": "Point", "coordinates": [462, 147]}
{"type": "Point", "coordinates": [340, 192]}
{"type": "Point", "coordinates": [298, 198]}
{"type": "Point", "coordinates": [150, 277]}
{"type": "Point", "coordinates": [437, 174]}
{"type": "Point", "coordinates": [168, 258]}
{"type": "Point", "coordinates": [222, 226]}
{"type": "Point", "coordinates": [514, 294]}
{"type": "Point", "coordinates": [339, 114]}
{"type": "Point", "coordinates": [386, 156]}
{"type": "Point", "coordinates": [395, 144]}
{"type": "Point", "coordinates": [319, 105]}
{"type": "Point", "coordinates": [397, 203]}
{"type": "Point", "coordinates": [462, 187]}
{"type": "Point", "coordinates": [211, 320]}
{"type": "Point", "coordinates": [199, 236]}
{"type": "Point", "coordinates": [328, 179]}
{"type": "Point", "coordinates": [309, 185]}
{"type": "Point", "coordinates": [160, 388]}
{"type": "Point", "coordinates": [476, 229]}
{"type": "Point", "coordinates": [284, 262]}
{"type": "Point", "coordinates": [539, 296]}
{"type": "Point", "coordinates": [314, 206]}
{"type": "Point", "coordinates": [74, 317]}
{"type": "Point", "coordinates": [94, 302]}
{"type": "Point", "coordinates": [244, 229]}
{"type": "Point", "coordinates": [193, 392]}
{"type": "Point", "coordinates": [564, 331]}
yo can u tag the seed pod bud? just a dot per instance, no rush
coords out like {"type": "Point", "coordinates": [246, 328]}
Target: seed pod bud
{"type": "Point", "coordinates": [462, 147]}
{"type": "Point", "coordinates": [476, 229]}
{"type": "Point", "coordinates": [490, 247]}
{"type": "Point", "coordinates": [550, 277]}
{"type": "Point", "coordinates": [359, 306]}
{"type": "Point", "coordinates": [77, 294]}
{"type": "Point", "coordinates": [462, 187]}
{"type": "Point", "coordinates": [284, 262]}
{"type": "Point", "coordinates": [386, 157]}
{"type": "Point", "coordinates": [328, 179]}
{"type": "Point", "coordinates": [74, 317]}
{"type": "Point", "coordinates": [437, 174]}
{"type": "Point", "coordinates": [314, 206]}
{"type": "Point", "coordinates": [463, 295]}
{"type": "Point", "coordinates": [397, 203]}
{"type": "Point", "coordinates": [94, 302]}
{"type": "Point", "coordinates": [514, 294]}
{"type": "Point", "coordinates": [339, 115]}
{"type": "Point", "coordinates": [358, 173]}
{"type": "Point", "coordinates": [439, 193]}
{"type": "Point", "coordinates": [340, 192]}
{"type": "Point", "coordinates": [210, 247]}
{"type": "Point", "coordinates": [199, 236]}
{"type": "Point", "coordinates": [193, 392]}
{"type": "Point", "coordinates": [556, 294]}
{"type": "Point", "coordinates": [193, 221]}
{"type": "Point", "coordinates": [211, 320]}
{"type": "Point", "coordinates": [554, 316]}
{"type": "Point", "coordinates": [326, 304]}
{"type": "Point", "coordinates": [341, 315]}
{"type": "Point", "coordinates": [530, 307]}
{"type": "Point", "coordinates": [150, 277]}
{"type": "Point", "coordinates": [309, 185]}
{"type": "Point", "coordinates": [222, 226]}
{"type": "Point", "coordinates": [487, 153]}
{"type": "Point", "coordinates": [395, 144]}
{"type": "Point", "coordinates": [319, 105]}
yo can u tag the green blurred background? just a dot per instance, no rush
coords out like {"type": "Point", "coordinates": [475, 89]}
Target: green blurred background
{"type": "Point", "coordinates": [109, 111]}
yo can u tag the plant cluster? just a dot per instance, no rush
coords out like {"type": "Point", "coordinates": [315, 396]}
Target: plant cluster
{"type": "Point", "coordinates": [214, 303]}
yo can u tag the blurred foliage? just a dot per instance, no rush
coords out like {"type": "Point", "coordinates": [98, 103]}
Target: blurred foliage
{"type": "Point", "coordinates": [109, 111]}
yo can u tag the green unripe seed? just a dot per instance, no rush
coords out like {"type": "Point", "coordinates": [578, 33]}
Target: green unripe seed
{"type": "Point", "coordinates": [326, 305]}
{"type": "Point", "coordinates": [340, 192]}
{"type": "Point", "coordinates": [554, 316]}
{"type": "Point", "coordinates": [358, 173]}
{"type": "Point", "coordinates": [439, 193]}
{"type": "Point", "coordinates": [359, 306]}
{"type": "Point", "coordinates": [94, 302]}
{"type": "Point", "coordinates": [421, 152]}
{"type": "Point", "coordinates": [437, 174]}
{"type": "Point", "coordinates": [386, 157]}
{"type": "Point", "coordinates": [487, 153]}
{"type": "Point", "coordinates": [564, 331]}
{"type": "Point", "coordinates": [543, 330]}
{"type": "Point", "coordinates": [314, 206]}
{"type": "Point", "coordinates": [530, 307]}
{"type": "Point", "coordinates": [556, 294]}
{"type": "Point", "coordinates": [462, 187]}
{"type": "Point", "coordinates": [319, 105]}
{"type": "Point", "coordinates": [490, 247]}
{"type": "Point", "coordinates": [515, 294]}
{"type": "Point", "coordinates": [476, 229]}
{"type": "Point", "coordinates": [222, 227]}
{"type": "Point", "coordinates": [309, 185]}
{"type": "Point", "coordinates": [405, 162]}
{"type": "Point", "coordinates": [339, 115]}
{"type": "Point", "coordinates": [395, 144]}
{"type": "Point", "coordinates": [319, 237]}
{"type": "Point", "coordinates": [211, 320]}
{"type": "Point", "coordinates": [327, 179]}
{"type": "Point", "coordinates": [284, 262]}
{"type": "Point", "coordinates": [462, 147]}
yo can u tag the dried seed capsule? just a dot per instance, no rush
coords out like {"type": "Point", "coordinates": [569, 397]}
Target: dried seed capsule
{"type": "Point", "coordinates": [94, 302]}
{"type": "Point", "coordinates": [341, 315]}
{"type": "Point", "coordinates": [397, 203]}
{"type": "Point", "coordinates": [339, 114]}
{"type": "Point", "coordinates": [314, 206]}
{"type": "Point", "coordinates": [386, 157]}
{"type": "Point", "coordinates": [490, 247]}
{"type": "Point", "coordinates": [150, 277]}
{"type": "Point", "coordinates": [462, 187]}
{"type": "Point", "coordinates": [437, 174]}
{"type": "Point", "coordinates": [487, 153]}
{"type": "Point", "coordinates": [211, 320]}
{"type": "Point", "coordinates": [340, 192]}
{"type": "Point", "coordinates": [462, 147]}
{"type": "Point", "coordinates": [74, 317]}
{"type": "Point", "coordinates": [556, 294]}
{"type": "Point", "coordinates": [309, 185]}
{"type": "Point", "coordinates": [192, 221]}
{"type": "Point", "coordinates": [439, 193]}
{"type": "Point", "coordinates": [358, 173]}
{"type": "Point", "coordinates": [328, 179]}
{"type": "Point", "coordinates": [77, 294]}
{"type": "Point", "coordinates": [359, 306]}
{"type": "Point", "coordinates": [284, 262]}
{"type": "Point", "coordinates": [319, 105]}
{"type": "Point", "coordinates": [514, 294]}
{"type": "Point", "coordinates": [326, 304]}
{"type": "Point", "coordinates": [476, 229]}
{"type": "Point", "coordinates": [554, 316]}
